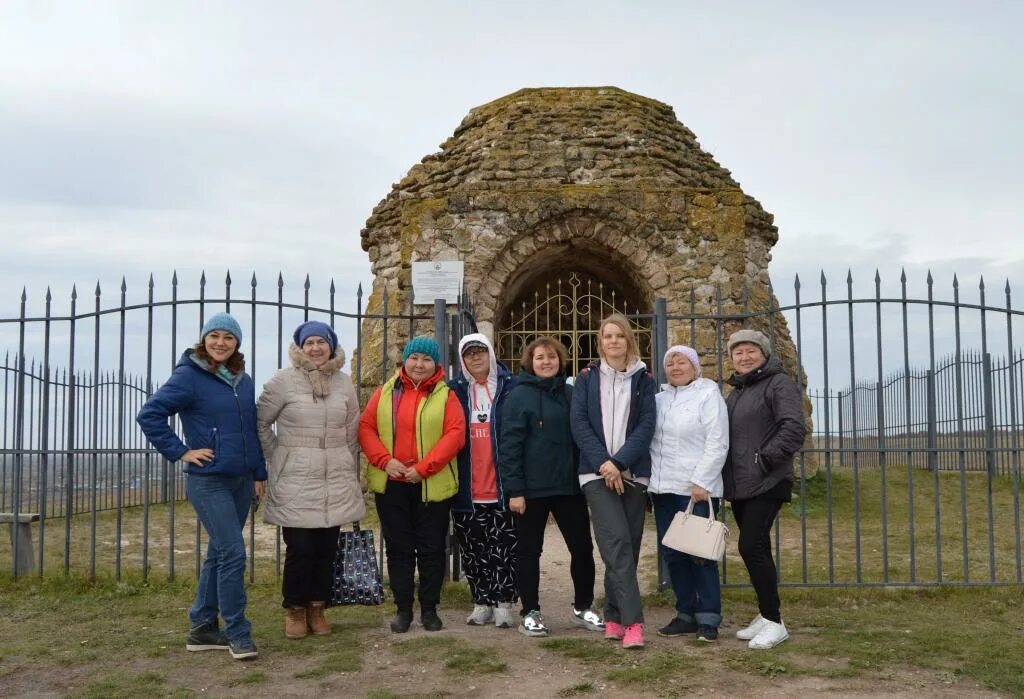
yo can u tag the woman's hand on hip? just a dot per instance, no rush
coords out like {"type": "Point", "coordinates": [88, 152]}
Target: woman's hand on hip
{"type": "Point", "coordinates": [199, 457]}
{"type": "Point", "coordinates": [517, 505]}
{"type": "Point", "coordinates": [698, 494]}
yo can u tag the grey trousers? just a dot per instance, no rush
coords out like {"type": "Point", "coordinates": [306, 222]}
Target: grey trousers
{"type": "Point", "coordinates": [618, 522]}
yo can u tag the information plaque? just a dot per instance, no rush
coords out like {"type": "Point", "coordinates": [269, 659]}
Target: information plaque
{"type": "Point", "coordinates": [436, 279]}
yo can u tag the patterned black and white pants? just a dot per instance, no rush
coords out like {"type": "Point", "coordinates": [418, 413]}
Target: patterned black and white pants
{"type": "Point", "coordinates": [487, 541]}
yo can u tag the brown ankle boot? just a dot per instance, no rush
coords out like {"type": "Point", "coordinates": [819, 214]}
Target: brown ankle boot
{"type": "Point", "coordinates": [295, 622]}
{"type": "Point", "coordinates": [315, 616]}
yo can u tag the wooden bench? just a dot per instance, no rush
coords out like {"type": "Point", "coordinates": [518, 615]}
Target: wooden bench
{"type": "Point", "coordinates": [21, 531]}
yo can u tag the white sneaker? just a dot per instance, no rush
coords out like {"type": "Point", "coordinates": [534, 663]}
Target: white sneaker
{"type": "Point", "coordinates": [752, 629]}
{"type": "Point", "coordinates": [481, 616]}
{"type": "Point", "coordinates": [770, 635]}
{"type": "Point", "coordinates": [504, 615]}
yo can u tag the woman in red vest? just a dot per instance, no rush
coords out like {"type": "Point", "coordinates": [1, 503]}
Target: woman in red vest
{"type": "Point", "coordinates": [411, 432]}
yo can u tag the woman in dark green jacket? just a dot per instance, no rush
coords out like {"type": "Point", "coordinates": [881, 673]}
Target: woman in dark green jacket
{"type": "Point", "coordinates": [538, 460]}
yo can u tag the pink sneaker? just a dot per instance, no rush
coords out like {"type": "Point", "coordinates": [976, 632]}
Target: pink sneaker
{"type": "Point", "coordinates": [634, 636]}
{"type": "Point", "coordinates": [613, 631]}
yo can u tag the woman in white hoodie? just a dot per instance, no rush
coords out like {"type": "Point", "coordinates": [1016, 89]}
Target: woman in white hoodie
{"type": "Point", "coordinates": [688, 452]}
{"type": "Point", "coordinates": [612, 418]}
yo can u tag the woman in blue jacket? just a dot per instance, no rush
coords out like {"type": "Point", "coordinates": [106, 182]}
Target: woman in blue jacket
{"type": "Point", "coordinates": [613, 415]}
{"type": "Point", "coordinates": [216, 402]}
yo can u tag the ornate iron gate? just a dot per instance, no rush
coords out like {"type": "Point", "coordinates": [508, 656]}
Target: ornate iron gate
{"type": "Point", "coordinates": [569, 308]}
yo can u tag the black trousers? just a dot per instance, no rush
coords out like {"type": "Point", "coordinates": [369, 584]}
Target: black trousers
{"type": "Point", "coordinates": [308, 565]}
{"type": "Point", "coordinates": [755, 517]}
{"type": "Point", "coordinates": [414, 536]}
{"type": "Point", "coordinates": [571, 516]}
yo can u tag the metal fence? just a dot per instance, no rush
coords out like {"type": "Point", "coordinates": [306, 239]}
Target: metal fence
{"type": "Point", "coordinates": [69, 444]}
{"type": "Point", "coordinates": [911, 477]}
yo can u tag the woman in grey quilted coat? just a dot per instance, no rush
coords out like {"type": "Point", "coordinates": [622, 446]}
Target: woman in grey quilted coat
{"type": "Point", "coordinates": [307, 417]}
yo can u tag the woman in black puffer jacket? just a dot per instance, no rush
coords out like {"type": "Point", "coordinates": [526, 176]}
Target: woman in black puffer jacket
{"type": "Point", "coordinates": [537, 460]}
{"type": "Point", "coordinates": [766, 429]}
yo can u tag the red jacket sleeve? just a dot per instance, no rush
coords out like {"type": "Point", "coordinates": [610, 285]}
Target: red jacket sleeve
{"type": "Point", "coordinates": [376, 453]}
{"type": "Point", "coordinates": [453, 438]}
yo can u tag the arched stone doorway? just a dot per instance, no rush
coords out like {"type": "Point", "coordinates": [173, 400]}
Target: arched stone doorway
{"type": "Point", "coordinates": [564, 292]}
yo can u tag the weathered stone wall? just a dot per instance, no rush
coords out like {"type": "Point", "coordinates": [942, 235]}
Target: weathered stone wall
{"type": "Point", "coordinates": [549, 177]}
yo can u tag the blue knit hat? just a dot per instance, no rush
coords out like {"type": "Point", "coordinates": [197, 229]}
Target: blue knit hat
{"type": "Point", "coordinates": [222, 321]}
{"type": "Point", "coordinates": [423, 345]}
{"type": "Point", "coordinates": [316, 328]}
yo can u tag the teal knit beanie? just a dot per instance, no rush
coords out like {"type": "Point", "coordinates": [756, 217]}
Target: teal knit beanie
{"type": "Point", "coordinates": [423, 345]}
{"type": "Point", "coordinates": [222, 321]}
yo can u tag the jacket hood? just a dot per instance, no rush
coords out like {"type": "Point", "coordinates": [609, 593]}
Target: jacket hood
{"type": "Point", "coordinates": [492, 375]}
{"type": "Point", "coordinates": [700, 381]}
{"type": "Point", "coordinates": [426, 385]}
{"type": "Point", "coordinates": [636, 366]}
{"type": "Point", "coordinates": [770, 368]}
{"type": "Point", "coordinates": [300, 361]}
{"type": "Point", "coordinates": [549, 383]}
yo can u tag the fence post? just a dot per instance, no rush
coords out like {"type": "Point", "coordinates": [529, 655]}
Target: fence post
{"type": "Point", "coordinates": [990, 431]}
{"type": "Point", "coordinates": [660, 336]}
{"type": "Point", "coordinates": [933, 457]}
{"type": "Point", "coordinates": [441, 330]}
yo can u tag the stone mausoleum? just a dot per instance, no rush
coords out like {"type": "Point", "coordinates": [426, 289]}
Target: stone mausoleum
{"type": "Point", "coordinates": [567, 203]}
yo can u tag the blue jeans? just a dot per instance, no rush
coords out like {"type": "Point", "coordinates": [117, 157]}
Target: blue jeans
{"type": "Point", "coordinates": [694, 580]}
{"type": "Point", "coordinates": [222, 504]}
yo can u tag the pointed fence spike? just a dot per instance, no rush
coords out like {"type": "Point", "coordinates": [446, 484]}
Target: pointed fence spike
{"type": "Point", "coordinates": [823, 281]}
{"type": "Point", "coordinates": [202, 278]}
{"type": "Point", "coordinates": [956, 281]}
{"type": "Point", "coordinates": [280, 280]}
{"type": "Point", "coordinates": [98, 287]}
{"type": "Point", "coordinates": [227, 278]}
{"type": "Point", "coordinates": [74, 292]}
{"type": "Point", "coordinates": [151, 280]}
{"type": "Point", "coordinates": [359, 290]}
{"type": "Point", "coordinates": [1007, 287]}
{"type": "Point", "coordinates": [981, 282]}
{"type": "Point", "coordinates": [903, 275]}
{"type": "Point", "coordinates": [124, 285]}
{"type": "Point", "coordinates": [849, 276]}
{"type": "Point", "coordinates": [306, 285]}
{"type": "Point", "coordinates": [930, 279]}
{"type": "Point", "coordinates": [878, 277]}
{"type": "Point", "coordinates": [49, 296]}
{"type": "Point", "coordinates": [253, 282]}
{"type": "Point", "coordinates": [796, 281]}
{"type": "Point", "coordinates": [332, 285]}
{"type": "Point", "coordinates": [174, 278]}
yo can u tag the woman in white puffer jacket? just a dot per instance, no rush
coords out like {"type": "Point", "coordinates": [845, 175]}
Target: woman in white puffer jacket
{"type": "Point", "coordinates": [688, 451]}
{"type": "Point", "coordinates": [313, 464]}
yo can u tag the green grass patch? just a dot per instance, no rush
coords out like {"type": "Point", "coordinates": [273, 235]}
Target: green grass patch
{"type": "Point", "coordinates": [127, 684]}
{"type": "Point", "coordinates": [249, 678]}
{"type": "Point", "coordinates": [577, 690]}
{"type": "Point", "coordinates": [656, 668]}
{"type": "Point", "coordinates": [580, 648]}
{"type": "Point", "coordinates": [458, 656]}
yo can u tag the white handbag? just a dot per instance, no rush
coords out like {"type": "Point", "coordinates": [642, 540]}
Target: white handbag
{"type": "Point", "coordinates": [703, 537]}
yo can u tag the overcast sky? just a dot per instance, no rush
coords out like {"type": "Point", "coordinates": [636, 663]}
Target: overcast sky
{"type": "Point", "coordinates": [140, 137]}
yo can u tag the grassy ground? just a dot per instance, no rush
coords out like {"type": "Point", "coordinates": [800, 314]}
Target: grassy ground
{"type": "Point", "coordinates": [125, 639]}
{"type": "Point", "coordinates": [71, 636]}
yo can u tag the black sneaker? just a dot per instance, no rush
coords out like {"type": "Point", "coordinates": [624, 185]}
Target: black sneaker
{"type": "Point", "coordinates": [707, 634]}
{"type": "Point", "coordinates": [402, 621]}
{"type": "Point", "coordinates": [206, 636]}
{"type": "Point", "coordinates": [677, 627]}
{"type": "Point", "coordinates": [243, 649]}
{"type": "Point", "coordinates": [430, 620]}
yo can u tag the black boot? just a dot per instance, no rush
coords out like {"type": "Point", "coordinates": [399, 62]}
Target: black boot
{"type": "Point", "coordinates": [402, 620]}
{"type": "Point", "coordinates": [430, 620]}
